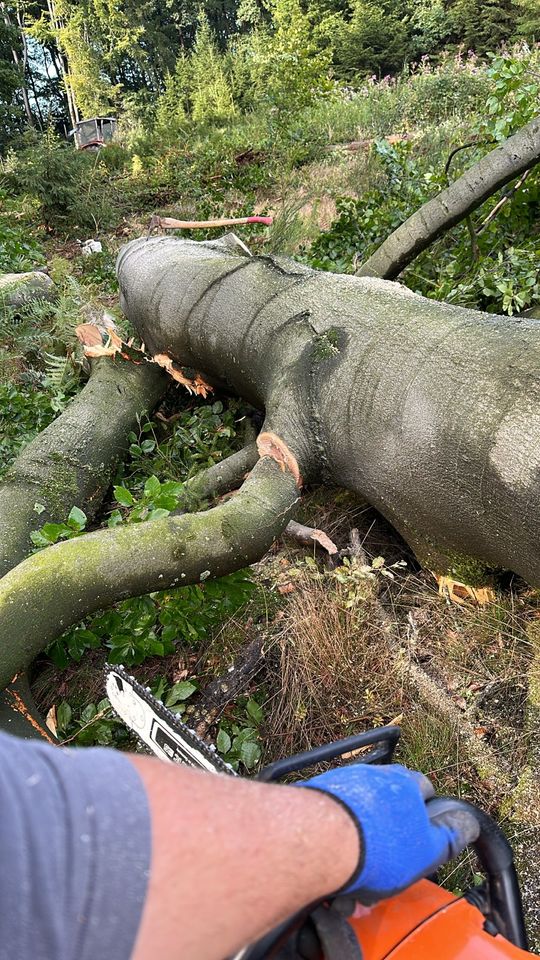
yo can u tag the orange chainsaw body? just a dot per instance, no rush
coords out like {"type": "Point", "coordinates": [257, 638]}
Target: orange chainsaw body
{"type": "Point", "coordinates": [426, 922]}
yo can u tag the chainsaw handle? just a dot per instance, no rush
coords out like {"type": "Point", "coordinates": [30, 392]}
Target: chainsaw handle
{"type": "Point", "coordinates": [383, 741]}
{"type": "Point", "coordinates": [497, 861]}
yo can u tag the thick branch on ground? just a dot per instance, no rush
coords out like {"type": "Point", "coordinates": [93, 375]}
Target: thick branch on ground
{"type": "Point", "coordinates": [508, 161]}
{"type": "Point", "coordinates": [18, 289]}
{"type": "Point", "coordinates": [224, 476]}
{"type": "Point", "coordinates": [53, 589]}
{"type": "Point", "coordinates": [225, 689]}
{"type": "Point", "coordinates": [71, 463]}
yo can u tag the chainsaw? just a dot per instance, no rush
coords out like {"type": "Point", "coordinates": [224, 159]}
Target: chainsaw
{"type": "Point", "coordinates": [424, 922]}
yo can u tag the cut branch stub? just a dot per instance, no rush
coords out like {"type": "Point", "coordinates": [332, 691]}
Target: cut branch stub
{"type": "Point", "coordinates": [270, 445]}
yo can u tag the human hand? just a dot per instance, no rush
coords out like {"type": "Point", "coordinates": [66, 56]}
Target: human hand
{"type": "Point", "coordinates": [399, 841]}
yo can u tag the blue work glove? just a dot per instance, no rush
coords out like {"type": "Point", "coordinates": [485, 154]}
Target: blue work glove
{"type": "Point", "coordinates": [399, 842]}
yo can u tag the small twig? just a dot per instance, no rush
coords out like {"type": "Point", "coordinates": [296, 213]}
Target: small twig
{"type": "Point", "coordinates": [498, 206]}
{"type": "Point", "coordinates": [465, 146]}
{"type": "Point", "coordinates": [475, 249]}
{"type": "Point", "coordinates": [98, 716]}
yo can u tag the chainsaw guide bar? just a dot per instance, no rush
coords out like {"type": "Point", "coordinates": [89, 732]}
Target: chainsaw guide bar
{"type": "Point", "coordinates": [157, 726]}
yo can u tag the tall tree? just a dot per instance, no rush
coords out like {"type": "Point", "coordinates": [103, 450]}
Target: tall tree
{"type": "Point", "coordinates": [19, 52]}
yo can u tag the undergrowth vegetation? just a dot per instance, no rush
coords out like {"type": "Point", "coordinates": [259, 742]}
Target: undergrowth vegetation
{"type": "Point", "coordinates": [339, 167]}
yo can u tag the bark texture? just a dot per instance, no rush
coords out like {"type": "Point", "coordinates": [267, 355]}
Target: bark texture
{"type": "Point", "coordinates": [512, 158]}
{"type": "Point", "coordinates": [69, 464]}
{"type": "Point", "coordinates": [72, 461]}
{"type": "Point", "coordinates": [428, 410]}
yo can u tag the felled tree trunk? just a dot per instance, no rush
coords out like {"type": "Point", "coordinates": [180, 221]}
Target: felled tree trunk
{"type": "Point", "coordinates": [428, 410]}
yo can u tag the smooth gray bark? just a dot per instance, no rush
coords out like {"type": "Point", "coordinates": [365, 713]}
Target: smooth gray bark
{"type": "Point", "coordinates": [428, 410]}
{"type": "Point", "coordinates": [500, 166]}
{"type": "Point", "coordinates": [17, 289]}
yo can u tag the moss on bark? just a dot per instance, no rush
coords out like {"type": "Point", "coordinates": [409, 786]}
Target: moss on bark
{"type": "Point", "coordinates": [44, 595]}
{"type": "Point", "coordinates": [71, 463]}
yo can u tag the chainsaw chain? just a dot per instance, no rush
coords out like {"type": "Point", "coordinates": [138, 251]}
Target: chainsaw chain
{"type": "Point", "coordinates": [159, 710]}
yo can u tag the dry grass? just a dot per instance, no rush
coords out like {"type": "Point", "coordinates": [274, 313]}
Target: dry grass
{"type": "Point", "coordinates": [330, 674]}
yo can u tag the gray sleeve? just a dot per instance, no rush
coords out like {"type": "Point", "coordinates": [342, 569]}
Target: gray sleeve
{"type": "Point", "coordinates": [75, 846]}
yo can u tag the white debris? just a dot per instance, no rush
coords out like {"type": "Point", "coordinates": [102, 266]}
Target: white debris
{"type": "Point", "coordinates": [90, 246]}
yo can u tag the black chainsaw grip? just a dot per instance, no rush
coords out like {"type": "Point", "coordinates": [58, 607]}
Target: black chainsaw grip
{"type": "Point", "coordinates": [382, 741]}
{"type": "Point", "coordinates": [497, 861]}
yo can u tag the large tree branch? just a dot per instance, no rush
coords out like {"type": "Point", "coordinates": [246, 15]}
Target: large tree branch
{"type": "Point", "coordinates": [53, 589]}
{"type": "Point", "coordinates": [71, 463]}
{"type": "Point", "coordinates": [500, 166]}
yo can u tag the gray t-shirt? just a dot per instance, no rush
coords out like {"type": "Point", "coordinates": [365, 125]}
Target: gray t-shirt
{"type": "Point", "coordinates": [75, 846]}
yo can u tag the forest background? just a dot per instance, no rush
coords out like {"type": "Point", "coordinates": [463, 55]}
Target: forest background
{"type": "Point", "coordinates": [340, 119]}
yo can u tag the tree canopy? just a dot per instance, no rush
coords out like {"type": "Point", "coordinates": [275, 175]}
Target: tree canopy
{"type": "Point", "coordinates": [66, 59]}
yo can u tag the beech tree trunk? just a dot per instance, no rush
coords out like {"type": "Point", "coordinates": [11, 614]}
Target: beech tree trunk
{"type": "Point", "coordinates": [430, 411]}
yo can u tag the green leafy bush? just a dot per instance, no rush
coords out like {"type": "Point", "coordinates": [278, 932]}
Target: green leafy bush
{"type": "Point", "coordinates": [24, 411]}
{"type": "Point", "coordinates": [68, 184]}
{"type": "Point", "coordinates": [151, 626]}
{"type": "Point", "coordinates": [239, 739]}
{"type": "Point", "coordinates": [19, 251]}
{"type": "Point", "coordinates": [94, 724]}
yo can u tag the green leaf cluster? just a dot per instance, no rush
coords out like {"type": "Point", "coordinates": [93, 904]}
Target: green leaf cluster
{"type": "Point", "coordinates": [51, 533]}
{"type": "Point", "coordinates": [239, 740]}
{"type": "Point", "coordinates": [94, 724]}
{"type": "Point", "coordinates": [154, 625]}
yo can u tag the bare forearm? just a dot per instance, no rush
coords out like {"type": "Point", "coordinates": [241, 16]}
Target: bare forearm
{"type": "Point", "coordinates": [231, 858]}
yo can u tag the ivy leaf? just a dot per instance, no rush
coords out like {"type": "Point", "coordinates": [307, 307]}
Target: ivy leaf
{"type": "Point", "coordinates": [77, 519]}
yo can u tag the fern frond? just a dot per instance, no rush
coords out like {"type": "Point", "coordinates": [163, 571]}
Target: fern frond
{"type": "Point", "coordinates": [59, 371]}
